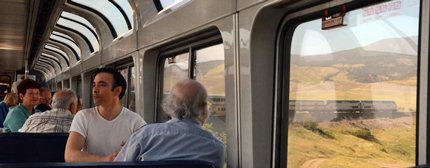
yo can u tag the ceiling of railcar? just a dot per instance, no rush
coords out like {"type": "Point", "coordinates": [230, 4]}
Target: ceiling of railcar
{"type": "Point", "coordinates": [21, 21]}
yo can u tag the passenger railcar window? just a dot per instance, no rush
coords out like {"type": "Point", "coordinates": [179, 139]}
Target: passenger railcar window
{"type": "Point", "coordinates": [59, 86]}
{"type": "Point", "coordinates": [114, 12]}
{"type": "Point", "coordinates": [5, 85]}
{"type": "Point", "coordinates": [66, 83]}
{"type": "Point", "coordinates": [209, 71]}
{"type": "Point", "coordinates": [62, 38]}
{"type": "Point", "coordinates": [58, 51]}
{"type": "Point", "coordinates": [164, 5]}
{"type": "Point", "coordinates": [175, 69]}
{"type": "Point", "coordinates": [78, 87]}
{"type": "Point", "coordinates": [124, 73]}
{"type": "Point", "coordinates": [352, 96]}
{"type": "Point", "coordinates": [208, 68]}
{"type": "Point", "coordinates": [131, 99]}
{"type": "Point", "coordinates": [81, 26]}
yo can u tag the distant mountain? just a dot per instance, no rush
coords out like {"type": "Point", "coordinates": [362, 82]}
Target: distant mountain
{"type": "Point", "coordinates": [360, 64]}
{"type": "Point", "coordinates": [210, 74]}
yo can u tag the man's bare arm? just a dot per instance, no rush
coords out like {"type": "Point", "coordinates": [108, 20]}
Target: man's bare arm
{"type": "Point", "coordinates": [74, 153]}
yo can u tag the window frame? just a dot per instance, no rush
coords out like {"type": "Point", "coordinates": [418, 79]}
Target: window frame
{"type": "Point", "coordinates": [121, 65]}
{"type": "Point", "coordinates": [187, 45]}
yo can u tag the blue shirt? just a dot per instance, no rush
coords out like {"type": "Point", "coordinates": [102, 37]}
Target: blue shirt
{"type": "Point", "coordinates": [174, 140]}
{"type": "Point", "coordinates": [3, 113]}
{"type": "Point", "coordinates": [16, 118]}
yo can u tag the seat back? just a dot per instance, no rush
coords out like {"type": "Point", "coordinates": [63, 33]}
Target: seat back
{"type": "Point", "coordinates": [32, 147]}
{"type": "Point", "coordinates": [144, 164]}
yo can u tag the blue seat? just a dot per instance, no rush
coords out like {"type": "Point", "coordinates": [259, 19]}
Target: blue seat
{"type": "Point", "coordinates": [32, 147]}
{"type": "Point", "coordinates": [145, 164]}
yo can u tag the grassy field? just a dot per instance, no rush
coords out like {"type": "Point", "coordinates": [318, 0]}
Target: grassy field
{"type": "Point", "coordinates": [360, 143]}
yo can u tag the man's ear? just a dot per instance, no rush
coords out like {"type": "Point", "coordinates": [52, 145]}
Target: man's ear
{"type": "Point", "coordinates": [118, 90]}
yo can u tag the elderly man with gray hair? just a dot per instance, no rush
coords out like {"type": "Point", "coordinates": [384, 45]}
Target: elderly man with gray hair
{"type": "Point", "coordinates": [59, 119]}
{"type": "Point", "coordinates": [182, 137]}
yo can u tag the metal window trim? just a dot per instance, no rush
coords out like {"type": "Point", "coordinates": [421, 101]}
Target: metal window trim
{"type": "Point", "coordinates": [89, 44]}
{"type": "Point", "coordinates": [99, 14]}
{"type": "Point", "coordinates": [52, 59]}
{"type": "Point", "coordinates": [58, 53]}
{"type": "Point", "coordinates": [124, 15]}
{"type": "Point", "coordinates": [50, 40]}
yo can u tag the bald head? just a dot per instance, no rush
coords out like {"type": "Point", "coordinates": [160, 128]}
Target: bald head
{"type": "Point", "coordinates": [187, 99]}
{"type": "Point", "coordinates": [64, 99]}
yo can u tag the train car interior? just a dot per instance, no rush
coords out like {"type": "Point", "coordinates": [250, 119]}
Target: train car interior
{"type": "Point", "coordinates": [290, 83]}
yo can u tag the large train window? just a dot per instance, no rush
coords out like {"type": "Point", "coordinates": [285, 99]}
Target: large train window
{"type": "Point", "coordinates": [59, 86]}
{"type": "Point", "coordinates": [351, 91]}
{"type": "Point", "coordinates": [128, 100]}
{"type": "Point", "coordinates": [77, 85]}
{"type": "Point", "coordinates": [131, 102]}
{"type": "Point", "coordinates": [175, 69]}
{"type": "Point", "coordinates": [209, 70]}
{"type": "Point", "coordinates": [80, 25]}
{"type": "Point", "coordinates": [117, 15]}
{"type": "Point", "coordinates": [204, 63]}
{"type": "Point", "coordinates": [124, 73]}
{"type": "Point", "coordinates": [66, 83]}
{"type": "Point", "coordinates": [5, 84]}
{"type": "Point", "coordinates": [164, 5]}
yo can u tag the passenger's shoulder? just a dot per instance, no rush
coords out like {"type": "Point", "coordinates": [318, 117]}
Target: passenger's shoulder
{"type": "Point", "coordinates": [87, 111]}
{"type": "Point", "coordinates": [130, 113]}
{"type": "Point", "coordinates": [14, 111]}
{"type": "Point", "coordinates": [213, 138]}
{"type": "Point", "coordinates": [152, 126]}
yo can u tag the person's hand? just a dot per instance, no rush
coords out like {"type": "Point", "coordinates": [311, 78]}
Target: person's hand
{"type": "Point", "coordinates": [112, 156]}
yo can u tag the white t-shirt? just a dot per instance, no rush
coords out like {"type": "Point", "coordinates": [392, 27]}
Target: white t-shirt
{"type": "Point", "coordinates": [103, 137]}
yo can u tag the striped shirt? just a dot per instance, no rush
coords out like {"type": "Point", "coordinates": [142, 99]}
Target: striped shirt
{"type": "Point", "coordinates": [55, 120]}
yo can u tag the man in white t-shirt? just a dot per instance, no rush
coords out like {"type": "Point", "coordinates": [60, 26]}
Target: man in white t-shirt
{"type": "Point", "coordinates": [97, 134]}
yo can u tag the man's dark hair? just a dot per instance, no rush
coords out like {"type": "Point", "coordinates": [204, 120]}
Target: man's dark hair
{"type": "Point", "coordinates": [118, 79]}
{"type": "Point", "coordinates": [27, 84]}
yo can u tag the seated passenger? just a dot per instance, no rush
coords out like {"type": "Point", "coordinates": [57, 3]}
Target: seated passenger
{"type": "Point", "coordinates": [45, 100]}
{"type": "Point", "coordinates": [59, 119]}
{"type": "Point", "coordinates": [9, 102]}
{"type": "Point", "coordinates": [28, 94]}
{"type": "Point", "coordinates": [97, 134]}
{"type": "Point", "coordinates": [182, 137]}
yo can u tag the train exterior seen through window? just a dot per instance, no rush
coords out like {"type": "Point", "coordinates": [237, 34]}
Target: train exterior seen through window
{"type": "Point", "coordinates": [291, 83]}
{"type": "Point", "coordinates": [336, 110]}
